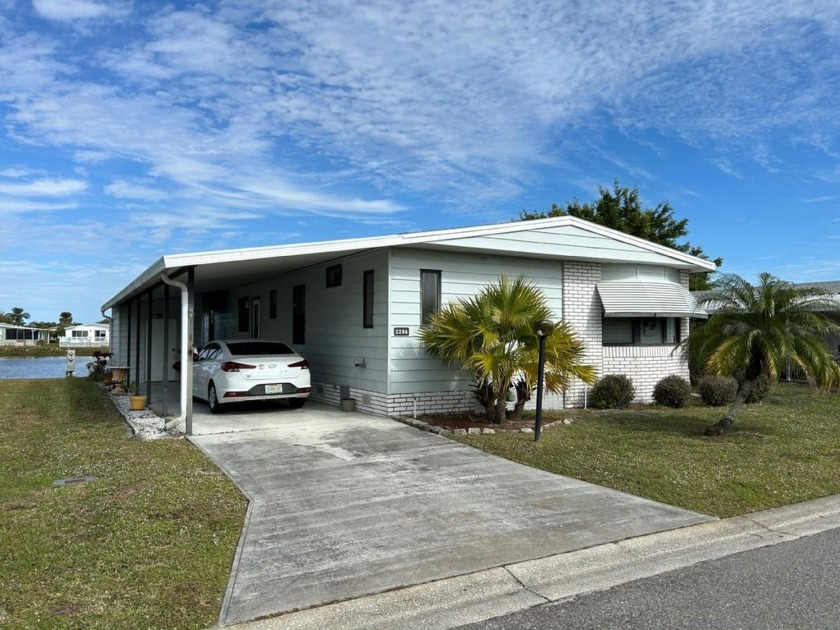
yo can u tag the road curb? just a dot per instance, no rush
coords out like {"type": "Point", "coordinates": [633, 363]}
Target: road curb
{"type": "Point", "coordinates": [457, 601]}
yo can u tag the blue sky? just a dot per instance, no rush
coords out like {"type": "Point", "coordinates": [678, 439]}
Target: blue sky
{"type": "Point", "coordinates": [134, 129]}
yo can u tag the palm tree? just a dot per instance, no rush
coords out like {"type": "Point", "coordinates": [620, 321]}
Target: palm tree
{"type": "Point", "coordinates": [17, 315]}
{"type": "Point", "coordinates": [759, 330]}
{"type": "Point", "coordinates": [492, 337]}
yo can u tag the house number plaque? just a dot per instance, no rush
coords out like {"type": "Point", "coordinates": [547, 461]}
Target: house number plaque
{"type": "Point", "coordinates": [401, 331]}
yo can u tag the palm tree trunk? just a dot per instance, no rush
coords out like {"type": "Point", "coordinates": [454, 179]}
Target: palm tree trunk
{"type": "Point", "coordinates": [523, 395]}
{"type": "Point", "coordinates": [484, 395]}
{"type": "Point", "coordinates": [725, 423]}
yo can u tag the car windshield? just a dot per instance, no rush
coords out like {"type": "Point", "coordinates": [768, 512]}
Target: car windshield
{"type": "Point", "coordinates": [258, 348]}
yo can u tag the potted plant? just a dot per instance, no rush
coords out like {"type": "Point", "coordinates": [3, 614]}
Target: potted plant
{"type": "Point", "coordinates": [137, 401]}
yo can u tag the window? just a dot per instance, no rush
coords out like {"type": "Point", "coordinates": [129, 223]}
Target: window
{"type": "Point", "coordinates": [429, 293]}
{"type": "Point", "coordinates": [334, 276]}
{"type": "Point", "coordinates": [100, 334]}
{"type": "Point", "coordinates": [272, 304]}
{"type": "Point", "coordinates": [367, 300]}
{"type": "Point", "coordinates": [80, 333]}
{"type": "Point", "coordinates": [640, 331]}
{"type": "Point", "coordinates": [244, 314]}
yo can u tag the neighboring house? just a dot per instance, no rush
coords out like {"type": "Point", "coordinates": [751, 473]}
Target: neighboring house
{"type": "Point", "coordinates": [833, 341]}
{"type": "Point", "coordinates": [833, 287]}
{"type": "Point", "coordinates": [86, 335]}
{"type": "Point", "coordinates": [13, 335]}
{"type": "Point", "coordinates": [353, 307]}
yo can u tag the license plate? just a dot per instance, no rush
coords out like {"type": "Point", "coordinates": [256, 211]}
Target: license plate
{"type": "Point", "coordinates": [273, 389]}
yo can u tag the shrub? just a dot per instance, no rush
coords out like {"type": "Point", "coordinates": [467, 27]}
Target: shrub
{"type": "Point", "coordinates": [613, 391]}
{"type": "Point", "coordinates": [717, 391]}
{"type": "Point", "coordinates": [672, 391]}
{"type": "Point", "coordinates": [759, 391]}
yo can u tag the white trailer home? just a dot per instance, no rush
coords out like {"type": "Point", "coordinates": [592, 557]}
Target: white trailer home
{"type": "Point", "coordinates": [353, 307]}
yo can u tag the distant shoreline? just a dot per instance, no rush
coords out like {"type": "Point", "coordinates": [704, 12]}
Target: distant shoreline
{"type": "Point", "coordinates": [51, 350]}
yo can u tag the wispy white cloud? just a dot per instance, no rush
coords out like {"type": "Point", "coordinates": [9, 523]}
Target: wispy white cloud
{"type": "Point", "coordinates": [44, 188]}
{"type": "Point", "coordinates": [8, 206]}
{"type": "Point", "coordinates": [67, 10]}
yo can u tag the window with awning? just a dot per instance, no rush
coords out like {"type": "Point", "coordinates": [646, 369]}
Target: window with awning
{"type": "Point", "coordinates": [631, 298]}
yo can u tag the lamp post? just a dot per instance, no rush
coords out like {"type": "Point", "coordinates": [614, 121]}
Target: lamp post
{"type": "Point", "coordinates": [543, 330]}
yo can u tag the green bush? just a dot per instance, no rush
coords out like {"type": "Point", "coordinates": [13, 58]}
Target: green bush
{"type": "Point", "coordinates": [717, 391]}
{"type": "Point", "coordinates": [672, 391]}
{"type": "Point", "coordinates": [759, 391]}
{"type": "Point", "coordinates": [613, 391]}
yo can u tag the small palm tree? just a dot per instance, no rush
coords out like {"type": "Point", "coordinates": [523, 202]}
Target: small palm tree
{"type": "Point", "coordinates": [17, 315]}
{"type": "Point", "coordinates": [492, 337]}
{"type": "Point", "coordinates": [759, 330]}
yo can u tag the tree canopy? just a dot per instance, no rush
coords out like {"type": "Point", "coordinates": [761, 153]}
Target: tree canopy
{"type": "Point", "coordinates": [621, 209]}
{"type": "Point", "coordinates": [17, 316]}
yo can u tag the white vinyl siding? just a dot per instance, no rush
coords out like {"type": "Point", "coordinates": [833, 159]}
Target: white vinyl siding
{"type": "Point", "coordinates": [462, 275]}
{"type": "Point", "coordinates": [335, 334]}
{"type": "Point", "coordinates": [570, 241]}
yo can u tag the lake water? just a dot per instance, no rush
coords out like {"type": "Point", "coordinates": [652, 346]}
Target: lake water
{"type": "Point", "coordinates": [40, 367]}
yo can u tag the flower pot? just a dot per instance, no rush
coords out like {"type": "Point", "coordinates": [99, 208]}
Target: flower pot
{"type": "Point", "coordinates": [119, 373]}
{"type": "Point", "coordinates": [137, 403]}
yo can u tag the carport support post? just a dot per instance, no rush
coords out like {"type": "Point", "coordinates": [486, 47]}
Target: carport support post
{"type": "Point", "coordinates": [165, 352]}
{"type": "Point", "coordinates": [187, 371]}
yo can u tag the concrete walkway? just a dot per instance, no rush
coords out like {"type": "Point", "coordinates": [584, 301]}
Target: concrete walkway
{"type": "Point", "coordinates": [346, 505]}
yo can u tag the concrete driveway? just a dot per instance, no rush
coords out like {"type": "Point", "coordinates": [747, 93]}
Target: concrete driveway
{"type": "Point", "coordinates": [345, 504]}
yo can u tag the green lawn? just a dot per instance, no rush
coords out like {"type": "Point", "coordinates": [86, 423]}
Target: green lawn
{"type": "Point", "coordinates": [149, 544]}
{"type": "Point", "coordinates": [782, 451]}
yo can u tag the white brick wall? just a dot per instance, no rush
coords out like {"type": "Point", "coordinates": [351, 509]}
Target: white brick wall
{"type": "Point", "coordinates": [582, 309]}
{"type": "Point", "coordinates": [645, 365]}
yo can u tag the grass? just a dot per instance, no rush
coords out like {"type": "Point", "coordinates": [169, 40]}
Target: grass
{"type": "Point", "coordinates": [149, 544]}
{"type": "Point", "coordinates": [783, 451]}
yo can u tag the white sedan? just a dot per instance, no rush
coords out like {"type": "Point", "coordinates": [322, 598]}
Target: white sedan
{"type": "Point", "coordinates": [249, 369]}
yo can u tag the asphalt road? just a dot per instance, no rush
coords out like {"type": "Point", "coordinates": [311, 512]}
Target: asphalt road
{"type": "Point", "coordinates": [784, 586]}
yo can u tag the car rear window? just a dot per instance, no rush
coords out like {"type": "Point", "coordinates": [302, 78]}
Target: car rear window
{"type": "Point", "coordinates": [258, 348]}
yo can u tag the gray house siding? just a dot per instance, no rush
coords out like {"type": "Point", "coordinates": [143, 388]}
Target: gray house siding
{"type": "Point", "coordinates": [335, 337]}
{"type": "Point", "coordinates": [418, 382]}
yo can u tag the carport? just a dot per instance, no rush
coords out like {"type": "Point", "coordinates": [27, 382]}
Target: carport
{"type": "Point", "coordinates": [154, 323]}
{"type": "Point", "coordinates": [344, 504]}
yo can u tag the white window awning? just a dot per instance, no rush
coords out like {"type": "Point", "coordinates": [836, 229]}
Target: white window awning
{"type": "Point", "coordinates": [631, 298]}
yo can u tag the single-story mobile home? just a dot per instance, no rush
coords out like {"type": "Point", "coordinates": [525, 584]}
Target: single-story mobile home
{"type": "Point", "coordinates": [353, 307]}
{"type": "Point", "coordinates": [86, 335]}
{"type": "Point", "coordinates": [14, 335]}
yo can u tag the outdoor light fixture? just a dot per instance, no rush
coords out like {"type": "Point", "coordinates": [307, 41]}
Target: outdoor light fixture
{"type": "Point", "coordinates": [543, 330]}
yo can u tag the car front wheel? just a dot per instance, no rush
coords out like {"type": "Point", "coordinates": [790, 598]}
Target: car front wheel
{"type": "Point", "coordinates": [213, 400]}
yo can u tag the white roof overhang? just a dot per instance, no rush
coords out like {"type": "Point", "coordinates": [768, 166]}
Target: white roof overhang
{"type": "Point", "coordinates": [215, 270]}
{"type": "Point", "coordinates": [633, 298]}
